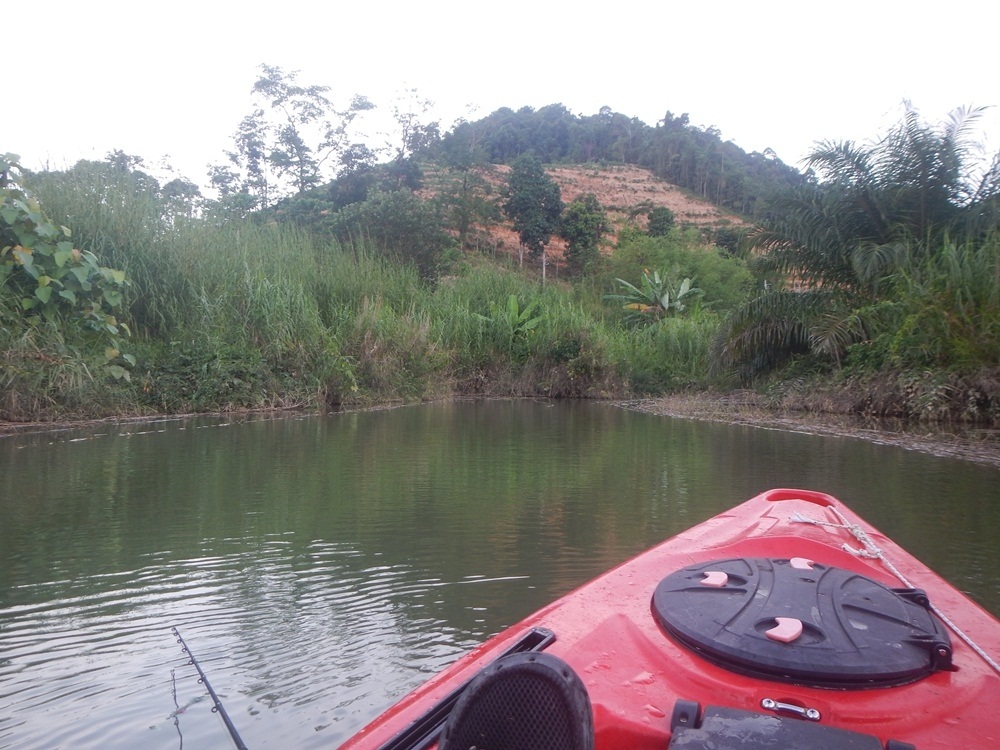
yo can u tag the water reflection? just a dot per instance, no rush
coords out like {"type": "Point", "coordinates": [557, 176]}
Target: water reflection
{"type": "Point", "coordinates": [322, 566]}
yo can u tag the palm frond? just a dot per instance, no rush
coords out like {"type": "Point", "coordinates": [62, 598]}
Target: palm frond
{"type": "Point", "coordinates": [831, 333]}
{"type": "Point", "coordinates": [872, 262]}
{"type": "Point", "coordinates": [767, 330]}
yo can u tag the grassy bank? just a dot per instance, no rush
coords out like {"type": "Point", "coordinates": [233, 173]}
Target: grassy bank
{"type": "Point", "coordinates": [241, 313]}
{"type": "Point", "coordinates": [230, 314]}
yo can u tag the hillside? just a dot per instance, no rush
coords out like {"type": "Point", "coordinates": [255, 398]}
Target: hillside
{"type": "Point", "coordinates": [696, 160]}
{"type": "Point", "coordinates": [620, 188]}
{"type": "Point", "coordinates": [626, 193]}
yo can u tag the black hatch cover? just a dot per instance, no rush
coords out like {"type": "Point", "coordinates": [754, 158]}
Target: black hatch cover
{"type": "Point", "coordinates": [800, 621]}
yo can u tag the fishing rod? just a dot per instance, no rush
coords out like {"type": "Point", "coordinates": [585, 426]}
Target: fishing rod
{"type": "Point", "coordinates": [218, 707]}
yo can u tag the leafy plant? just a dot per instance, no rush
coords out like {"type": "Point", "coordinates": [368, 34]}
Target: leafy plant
{"type": "Point", "coordinates": [683, 253]}
{"type": "Point", "coordinates": [874, 229]}
{"type": "Point", "coordinates": [656, 296]}
{"type": "Point", "coordinates": [533, 202]}
{"type": "Point", "coordinates": [950, 309]}
{"type": "Point", "coordinates": [56, 281]}
{"type": "Point", "coordinates": [583, 224]}
{"type": "Point", "coordinates": [513, 319]}
{"type": "Point", "coordinates": [661, 221]}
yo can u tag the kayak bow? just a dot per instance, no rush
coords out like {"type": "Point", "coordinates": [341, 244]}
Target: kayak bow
{"type": "Point", "coordinates": [786, 622]}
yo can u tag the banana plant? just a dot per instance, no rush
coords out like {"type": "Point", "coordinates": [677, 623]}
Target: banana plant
{"type": "Point", "coordinates": [515, 321]}
{"type": "Point", "coordinates": [656, 296]}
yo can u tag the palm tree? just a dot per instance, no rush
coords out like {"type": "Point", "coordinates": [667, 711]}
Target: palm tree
{"type": "Point", "coordinates": [830, 251]}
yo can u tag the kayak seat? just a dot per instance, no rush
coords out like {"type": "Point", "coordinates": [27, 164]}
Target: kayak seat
{"type": "Point", "coordinates": [525, 701]}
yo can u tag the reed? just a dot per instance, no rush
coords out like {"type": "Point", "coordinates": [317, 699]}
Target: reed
{"type": "Point", "coordinates": [669, 355]}
{"type": "Point", "coordinates": [950, 308]}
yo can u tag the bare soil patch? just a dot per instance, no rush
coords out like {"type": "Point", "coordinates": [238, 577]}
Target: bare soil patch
{"type": "Point", "coordinates": [618, 188]}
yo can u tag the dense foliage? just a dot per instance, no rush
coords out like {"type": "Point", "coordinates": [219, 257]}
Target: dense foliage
{"type": "Point", "coordinates": [292, 139]}
{"type": "Point", "coordinates": [891, 260]}
{"type": "Point", "coordinates": [233, 313]}
{"type": "Point", "coordinates": [583, 225]}
{"type": "Point", "coordinates": [58, 304]}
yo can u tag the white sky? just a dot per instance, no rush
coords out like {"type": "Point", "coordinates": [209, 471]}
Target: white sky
{"type": "Point", "coordinates": [173, 78]}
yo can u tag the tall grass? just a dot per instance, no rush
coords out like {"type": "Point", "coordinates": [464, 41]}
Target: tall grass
{"type": "Point", "coordinates": [462, 311]}
{"type": "Point", "coordinates": [950, 308]}
{"type": "Point", "coordinates": [344, 277]}
{"type": "Point", "coordinates": [116, 215]}
{"type": "Point", "coordinates": [45, 376]}
{"type": "Point", "coordinates": [669, 355]}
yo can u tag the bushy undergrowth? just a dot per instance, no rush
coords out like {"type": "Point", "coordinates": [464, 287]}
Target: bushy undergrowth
{"type": "Point", "coordinates": [724, 280]}
{"type": "Point", "coordinates": [40, 374]}
{"type": "Point", "coordinates": [669, 356]}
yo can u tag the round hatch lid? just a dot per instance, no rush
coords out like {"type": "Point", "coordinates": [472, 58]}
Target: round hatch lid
{"type": "Point", "coordinates": [799, 621]}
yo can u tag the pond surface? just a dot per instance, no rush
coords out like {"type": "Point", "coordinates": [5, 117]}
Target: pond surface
{"type": "Point", "coordinates": [321, 566]}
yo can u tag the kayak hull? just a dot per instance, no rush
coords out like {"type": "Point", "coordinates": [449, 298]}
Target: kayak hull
{"type": "Point", "coordinates": [635, 671]}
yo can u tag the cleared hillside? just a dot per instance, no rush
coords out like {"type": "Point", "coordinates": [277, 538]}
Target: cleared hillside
{"type": "Point", "coordinates": [626, 192]}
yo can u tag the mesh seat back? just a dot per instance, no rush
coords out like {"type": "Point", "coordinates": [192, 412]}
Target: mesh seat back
{"type": "Point", "coordinates": [527, 701]}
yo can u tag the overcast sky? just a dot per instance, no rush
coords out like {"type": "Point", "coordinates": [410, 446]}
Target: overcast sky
{"type": "Point", "coordinates": [173, 78]}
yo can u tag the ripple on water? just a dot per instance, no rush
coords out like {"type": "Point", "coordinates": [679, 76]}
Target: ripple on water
{"type": "Point", "coordinates": [286, 635]}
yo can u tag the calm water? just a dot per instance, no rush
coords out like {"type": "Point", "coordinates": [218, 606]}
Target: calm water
{"type": "Point", "coordinates": [319, 567]}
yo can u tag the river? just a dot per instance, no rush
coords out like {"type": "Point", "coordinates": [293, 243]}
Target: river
{"type": "Point", "coordinates": [321, 566]}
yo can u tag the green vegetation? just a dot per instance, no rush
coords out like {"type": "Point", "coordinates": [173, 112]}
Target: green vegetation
{"type": "Point", "coordinates": [583, 225]}
{"type": "Point", "coordinates": [661, 221]}
{"type": "Point", "coordinates": [237, 313]}
{"type": "Point", "coordinates": [57, 303]}
{"type": "Point", "coordinates": [656, 297]}
{"type": "Point", "coordinates": [885, 268]}
{"type": "Point", "coordinates": [876, 277]}
{"type": "Point", "coordinates": [533, 203]}
{"type": "Point", "coordinates": [696, 159]}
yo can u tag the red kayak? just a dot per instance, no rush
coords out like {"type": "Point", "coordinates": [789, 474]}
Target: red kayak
{"type": "Point", "coordinates": [787, 622]}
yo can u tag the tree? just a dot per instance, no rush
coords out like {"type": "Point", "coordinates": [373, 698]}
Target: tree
{"type": "Point", "coordinates": [583, 224]}
{"type": "Point", "coordinates": [729, 240]}
{"type": "Point", "coordinates": [879, 202]}
{"type": "Point", "coordinates": [247, 179]}
{"type": "Point", "coordinates": [468, 202]}
{"type": "Point", "coordinates": [466, 193]}
{"type": "Point", "coordinates": [180, 198]}
{"type": "Point", "coordinates": [533, 202]}
{"type": "Point", "coordinates": [291, 140]}
{"type": "Point", "coordinates": [414, 135]}
{"type": "Point", "coordinates": [661, 221]}
{"type": "Point", "coordinates": [399, 225]}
